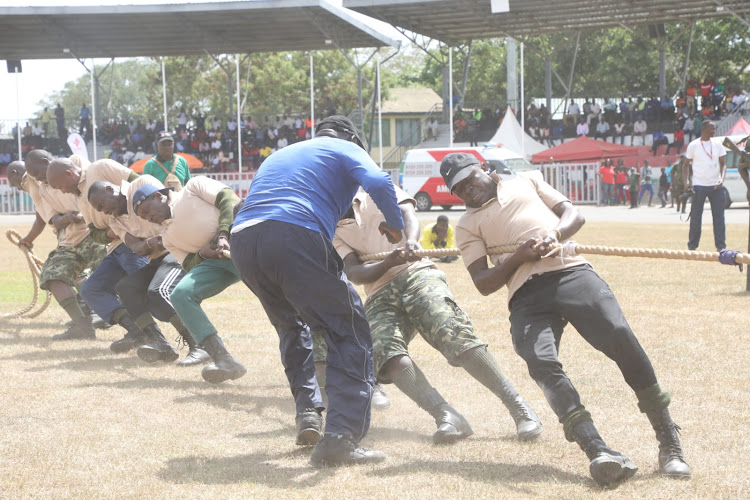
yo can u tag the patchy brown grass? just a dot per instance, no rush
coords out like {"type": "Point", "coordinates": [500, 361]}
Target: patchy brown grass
{"type": "Point", "coordinates": [80, 422]}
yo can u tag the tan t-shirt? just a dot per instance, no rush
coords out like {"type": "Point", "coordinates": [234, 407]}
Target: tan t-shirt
{"type": "Point", "coordinates": [361, 235]}
{"type": "Point", "coordinates": [522, 210]}
{"type": "Point", "coordinates": [100, 170]}
{"type": "Point", "coordinates": [50, 202]}
{"type": "Point", "coordinates": [131, 223]}
{"type": "Point", "coordinates": [195, 218]}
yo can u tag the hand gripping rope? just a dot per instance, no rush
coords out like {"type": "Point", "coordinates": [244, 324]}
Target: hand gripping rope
{"type": "Point", "coordinates": [570, 248]}
{"type": "Point", "coordinates": [35, 266]}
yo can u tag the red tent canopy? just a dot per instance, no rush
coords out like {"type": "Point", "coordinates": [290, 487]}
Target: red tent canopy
{"type": "Point", "coordinates": [740, 128]}
{"type": "Point", "coordinates": [584, 149]}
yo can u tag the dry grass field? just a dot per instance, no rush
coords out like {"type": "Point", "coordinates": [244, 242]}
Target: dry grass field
{"type": "Point", "coordinates": [80, 422]}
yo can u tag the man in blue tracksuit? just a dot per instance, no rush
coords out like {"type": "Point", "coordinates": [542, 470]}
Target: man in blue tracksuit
{"type": "Point", "coordinates": [282, 246]}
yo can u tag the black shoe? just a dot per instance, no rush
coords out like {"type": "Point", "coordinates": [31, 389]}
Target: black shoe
{"type": "Point", "coordinates": [528, 425]}
{"type": "Point", "coordinates": [225, 367]}
{"type": "Point", "coordinates": [671, 458]}
{"type": "Point", "coordinates": [606, 466]}
{"type": "Point", "coordinates": [157, 348]}
{"type": "Point", "coordinates": [98, 323]}
{"type": "Point", "coordinates": [338, 449]}
{"type": "Point", "coordinates": [133, 338]}
{"type": "Point", "coordinates": [78, 330]}
{"type": "Point", "coordinates": [195, 356]}
{"type": "Point", "coordinates": [309, 427]}
{"type": "Point", "coordinates": [452, 426]}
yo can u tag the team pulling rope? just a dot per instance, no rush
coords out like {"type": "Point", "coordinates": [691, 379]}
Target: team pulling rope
{"type": "Point", "coordinates": [35, 266]}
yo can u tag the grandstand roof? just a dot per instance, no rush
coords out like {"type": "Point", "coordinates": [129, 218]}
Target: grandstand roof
{"type": "Point", "coordinates": [456, 20]}
{"type": "Point", "coordinates": [170, 29]}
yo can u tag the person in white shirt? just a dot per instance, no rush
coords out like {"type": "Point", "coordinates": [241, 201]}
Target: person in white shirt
{"type": "Point", "coordinates": [127, 157]}
{"type": "Point", "coordinates": [139, 155]}
{"type": "Point", "coordinates": [639, 130]}
{"type": "Point", "coordinates": [706, 156]}
{"type": "Point", "coordinates": [182, 118]}
{"type": "Point", "coordinates": [217, 123]}
{"type": "Point", "coordinates": [582, 129]}
{"type": "Point", "coordinates": [594, 115]}
{"type": "Point", "coordinates": [232, 126]}
{"type": "Point", "coordinates": [282, 143]}
{"type": "Point", "coordinates": [36, 130]}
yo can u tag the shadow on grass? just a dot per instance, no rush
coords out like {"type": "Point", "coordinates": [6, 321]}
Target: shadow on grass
{"type": "Point", "coordinates": [487, 472]}
{"type": "Point", "coordinates": [255, 468]}
{"type": "Point", "coordinates": [88, 364]}
{"type": "Point", "coordinates": [394, 434]}
{"type": "Point", "coordinates": [147, 383]}
{"type": "Point", "coordinates": [53, 354]}
{"type": "Point", "coordinates": [246, 403]}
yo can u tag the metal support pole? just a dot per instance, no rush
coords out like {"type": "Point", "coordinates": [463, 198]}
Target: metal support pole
{"type": "Point", "coordinates": [361, 124]}
{"type": "Point", "coordinates": [164, 92]}
{"type": "Point", "coordinates": [93, 108]}
{"type": "Point", "coordinates": [523, 111]}
{"type": "Point", "coordinates": [312, 98]}
{"type": "Point", "coordinates": [239, 117]}
{"type": "Point", "coordinates": [662, 69]}
{"type": "Point", "coordinates": [380, 116]}
{"type": "Point", "coordinates": [687, 62]}
{"type": "Point", "coordinates": [18, 115]}
{"type": "Point", "coordinates": [450, 94]}
{"type": "Point", "coordinates": [511, 79]}
{"type": "Point", "coordinates": [548, 83]}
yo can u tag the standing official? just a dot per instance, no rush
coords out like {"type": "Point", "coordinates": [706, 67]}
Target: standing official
{"type": "Point", "coordinates": [282, 247]}
{"type": "Point", "coordinates": [706, 157]}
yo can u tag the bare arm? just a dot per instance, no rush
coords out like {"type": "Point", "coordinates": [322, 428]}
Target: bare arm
{"type": "Point", "coordinates": [722, 171]}
{"type": "Point", "coordinates": [369, 272]}
{"type": "Point", "coordinates": [571, 221]}
{"type": "Point", "coordinates": [36, 230]}
{"type": "Point", "coordinates": [61, 221]}
{"type": "Point", "coordinates": [143, 246]}
{"type": "Point", "coordinates": [686, 172]}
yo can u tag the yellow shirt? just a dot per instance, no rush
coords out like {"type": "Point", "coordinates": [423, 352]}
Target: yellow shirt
{"type": "Point", "coordinates": [521, 210]}
{"type": "Point", "coordinates": [50, 202]}
{"type": "Point", "coordinates": [361, 235]}
{"type": "Point", "coordinates": [429, 237]}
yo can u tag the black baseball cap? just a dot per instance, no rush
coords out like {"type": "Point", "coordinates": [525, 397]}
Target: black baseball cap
{"type": "Point", "coordinates": [454, 168]}
{"type": "Point", "coordinates": [341, 124]}
{"type": "Point", "coordinates": [165, 136]}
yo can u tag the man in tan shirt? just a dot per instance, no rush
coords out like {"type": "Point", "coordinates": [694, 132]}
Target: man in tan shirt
{"type": "Point", "coordinates": [407, 296]}
{"type": "Point", "coordinates": [545, 294]}
{"type": "Point", "coordinates": [76, 250]}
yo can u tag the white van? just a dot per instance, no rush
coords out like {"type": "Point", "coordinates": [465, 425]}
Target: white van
{"type": "Point", "coordinates": [420, 172]}
{"type": "Point", "coordinates": [734, 186]}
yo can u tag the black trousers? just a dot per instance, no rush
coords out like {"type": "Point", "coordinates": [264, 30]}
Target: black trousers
{"type": "Point", "coordinates": [540, 310]}
{"type": "Point", "coordinates": [298, 277]}
{"type": "Point", "coordinates": [148, 289]}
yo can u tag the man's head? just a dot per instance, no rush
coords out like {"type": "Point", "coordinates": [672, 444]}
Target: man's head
{"type": "Point", "coordinates": [16, 170]}
{"type": "Point", "coordinates": [441, 225]}
{"type": "Point", "coordinates": [708, 129]}
{"type": "Point", "coordinates": [37, 161]}
{"type": "Point", "coordinates": [106, 197]}
{"type": "Point", "coordinates": [165, 145]}
{"type": "Point", "coordinates": [340, 127]}
{"type": "Point", "coordinates": [645, 163]}
{"type": "Point", "coordinates": [64, 175]}
{"type": "Point", "coordinates": [151, 203]}
{"type": "Point", "coordinates": [467, 179]}
{"type": "Point", "coordinates": [663, 170]}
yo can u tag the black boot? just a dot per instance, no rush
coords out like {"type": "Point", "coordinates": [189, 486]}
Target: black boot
{"type": "Point", "coordinates": [528, 425]}
{"type": "Point", "coordinates": [451, 425]}
{"type": "Point", "coordinates": [309, 427]}
{"type": "Point", "coordinates": [225, 367]}
{"type": "Point", "coordinates": [606, 466]}
{"type": "Point", "coordinates": [195, 355]}
{"type": "Point", "coordinates": [96, 321]}
{"type": "Point", "coordinates": [133, 338]}
{"type": "Point", "coordinates": [671, 458]}
{"type": "Point", "coordinates": [79, 329]}
{"type": "Point", "coordinates": [156, 348]}
{"type": "Point", "coordinates": [339, 449]}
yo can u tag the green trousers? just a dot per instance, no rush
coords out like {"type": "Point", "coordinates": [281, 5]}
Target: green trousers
{"type": "Point", "coordinates": [205, 280]}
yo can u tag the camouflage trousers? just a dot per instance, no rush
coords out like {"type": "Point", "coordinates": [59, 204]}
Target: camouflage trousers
{"type": "Point", "coordinates": [417, 302]}
{"type": "Point", "coordinates": [67, 263]}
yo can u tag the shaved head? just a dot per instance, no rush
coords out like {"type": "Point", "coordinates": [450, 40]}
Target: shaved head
{"type": "Point", "coordinates": [16, 170]}
{"type": "Point", "coordinates": [107, 197]}
{"type": "Point", "coordinates": [37, 161]}
{"type": "Point", "coordinates": [64, 175]}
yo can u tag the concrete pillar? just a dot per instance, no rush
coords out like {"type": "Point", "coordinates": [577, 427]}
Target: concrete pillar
{"type": "Point", "coordinates": [512, 72]}
{"type": "Point", "coordinates": [548, 82]}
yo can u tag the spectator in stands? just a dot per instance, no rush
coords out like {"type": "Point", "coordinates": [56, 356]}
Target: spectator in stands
{"type": "Point", "coordinates": [666, 109]}
{"type": "Point", "coordinates": [737, 101]}
{"type": "Point", "coordinates": [688, 128]}
{"type": "Point", "coordinates": [678, 142]}
{"type": "Point", "coordinates": [619, 131]}
{"type": "Point", "coordinates": [595, 111]}
{"type": "Point", "coordinates": [216, 124]}
{"type": "Point", "coordinates": [472, 130]}
{"type": "Point", "coordinates": [586, 108]}
{"type": "Point", "coordinates": [36, 130]}
{"type": "Point", "coordinates": [624, 110]}
{"type": "Point", "coordinates": [657, 139]}
{"type": "Point", "coordinates": [27, 130]}
{"type": "Point", "coordinates": [139, 154]}
{"type": "Point", "coordinates": [127, 157]}
{"type": "Point", "coordinates": [85, 116]}
{"type": "Point", "coordinates": [582, 129]}
{"type": "Point", "coordinates": [571, 119]}
{"type": "Point", "coordinates": [231, 125]}
{"type": "Point", "coordinates": [602, 129]}
{"type": "Point", "coordinates": [282, 142]}
{"type": "Point", "coordinates": [46, 118]}
{"type": "Point", "coordinates": [544, 135]}
{"type": "Point", "coordinates": [432, 128]}
{"type": "Point", "coordinates": [610, 111]}
{"type": "Point", "coordinates": [639, 130]}
{"type": "Point", "coordinates": [663, 187]}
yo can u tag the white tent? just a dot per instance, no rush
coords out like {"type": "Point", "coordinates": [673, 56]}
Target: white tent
{"type": "Point", "coordinates": [510, 135]}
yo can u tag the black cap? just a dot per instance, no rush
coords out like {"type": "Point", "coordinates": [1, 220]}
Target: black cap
{"type": "Point", "coordinates": [165, 136]}
{"type": "Point", "coordinates": [342, 125]}
{"type": "Point", "coordinates": [454, 168]}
